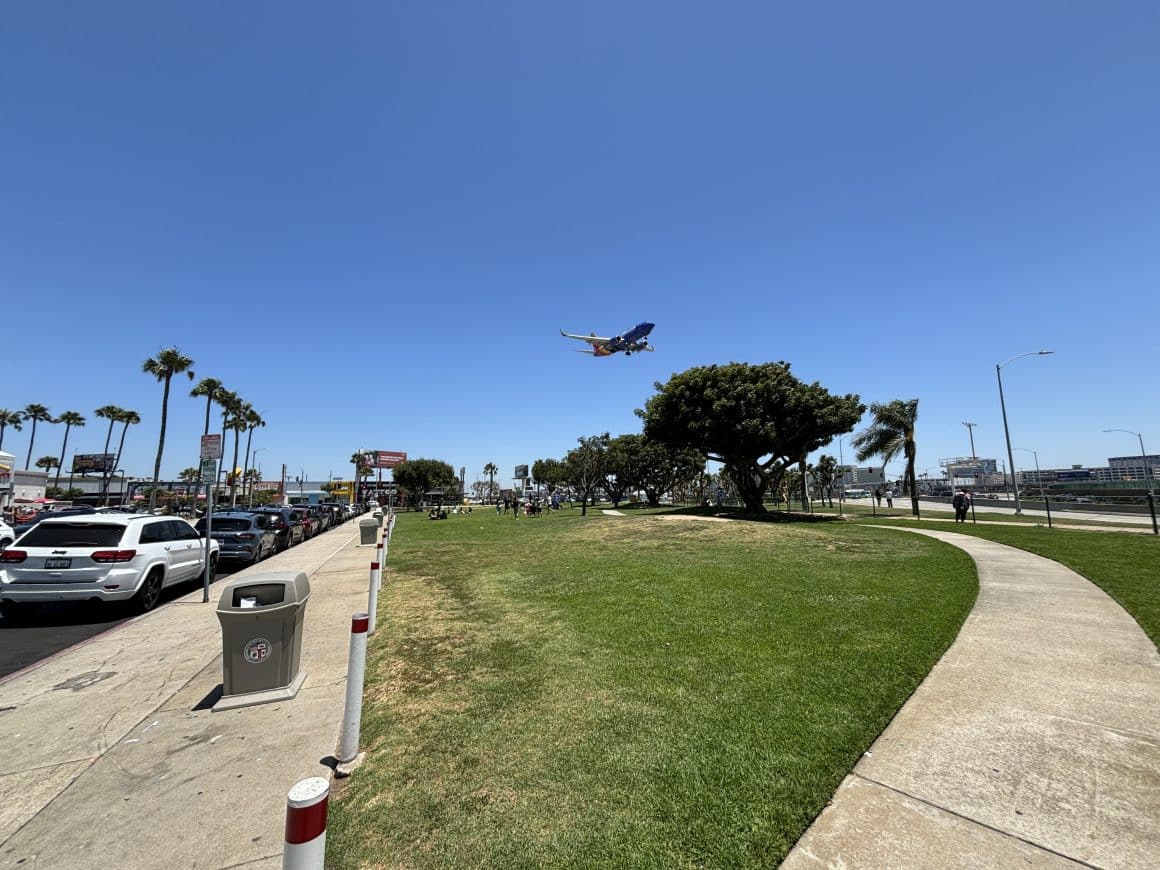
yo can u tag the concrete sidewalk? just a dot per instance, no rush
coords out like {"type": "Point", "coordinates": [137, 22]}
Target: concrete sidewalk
{"type": "Point", "coordinates": [112, 757]}
{"type": "Point", "coordinates": [1035, 740]}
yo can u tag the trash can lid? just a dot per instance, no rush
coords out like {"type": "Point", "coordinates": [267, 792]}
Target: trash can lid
{"type": "Point", "coordinates": [296, 592]}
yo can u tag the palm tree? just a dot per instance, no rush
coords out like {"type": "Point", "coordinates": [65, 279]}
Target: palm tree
{"type": "Point", "coordinates": [48, 463]}
{"type": "Point", "coordinates": [362, 467]}
{"type": "Point", "coordinates": [37, 414]}
{"type": "Point", "coordinates": [891, 433]}
{"type": "Point", "coordinates": [129, 418]}
{"type": "Point", "coordinates": [107, 412]}
{"type": "Point", "coordinates": [70, 419]}
{"type": "Point", "coordinates": [9, 418]}
{"type": "Point", "coordinates": [237, 425]}
{"type": "Point", "coordinates": [168, 362]}
{"type": "Point", "coordinates": [251, 477]}
{"type": "Point", "coordinates": [210, 389]}
{"type": "Point", "coordinates": [491, 470]}
{"type": "Point", "coordinates": [253, 420]}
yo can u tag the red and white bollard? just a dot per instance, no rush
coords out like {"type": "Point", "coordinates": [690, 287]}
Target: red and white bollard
{"type": "Point", "coordinates": [373, 598]}
{"type": "Point", "coordinates": [355, 674]}
{"type": "Point", "coordinates": [305, 847]}
{"type": "Point", "coordinates": [381, 558]}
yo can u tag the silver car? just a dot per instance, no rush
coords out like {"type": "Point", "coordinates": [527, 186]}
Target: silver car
{"type": "Point", "coordinates": [101, 557]}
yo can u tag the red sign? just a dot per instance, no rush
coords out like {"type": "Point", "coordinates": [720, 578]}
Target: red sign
{"type": "Point", "coordinates": [388, 458]}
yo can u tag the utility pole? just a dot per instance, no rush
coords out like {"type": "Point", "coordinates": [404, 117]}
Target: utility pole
{"type": "Point", "coordinates": [971, 431]}
{"type": "Point", "coordinates": [283, 488]}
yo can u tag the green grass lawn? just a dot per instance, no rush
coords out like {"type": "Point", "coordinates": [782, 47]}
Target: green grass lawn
{"type": "Point", "coordinates": [631, 692]}
{"type": "Point", "coordinates": [1126, 566]}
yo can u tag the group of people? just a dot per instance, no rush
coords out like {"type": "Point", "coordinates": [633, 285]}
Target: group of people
{"type": "Point", "coordinates": [961, 503]}
{"type": "Point", "coordinates": [889, 493]}
{"type": "Point", "coordinates": [529, 508]}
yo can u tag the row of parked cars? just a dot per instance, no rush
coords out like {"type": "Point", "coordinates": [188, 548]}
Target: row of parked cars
{"type": "Point", "coordinates": [249, 536]}
{"type": "Point", "coordinates": [111, 556]}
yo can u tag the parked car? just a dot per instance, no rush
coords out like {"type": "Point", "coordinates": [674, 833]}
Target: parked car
{"type": "Point", "coordinates": [7, 534]}
{"type": "Point", "coordinates": [285, 524]}
{"type": "Point", "coordinates": [309, 519]}
{"type": "Point", "coordinates": [74, 510]}
{"type": "Point", "coordinates": [243, 536]}
{"type": "Point", "coordinates": [335, 512]}
{"type": "Point", "coordinates": [105, 557]}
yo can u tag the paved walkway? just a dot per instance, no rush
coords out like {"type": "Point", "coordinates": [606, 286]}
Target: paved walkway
{"type": "Point", "coordinates": [1035, 740]}
{"type": "Point", "coordinates": [112, 758]}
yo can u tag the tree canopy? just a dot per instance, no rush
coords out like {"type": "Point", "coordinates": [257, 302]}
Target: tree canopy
{"type": "Point", "coordinates": [756, 420]}
{"type": "Point", "coordinates": [585, 468]}
{"type": "Point", "coordinates": [419, 476]}
{"type": "Point", "coordinates": [656, 467]}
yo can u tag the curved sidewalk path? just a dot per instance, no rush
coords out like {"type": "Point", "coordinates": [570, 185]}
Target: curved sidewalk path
{"type": "Point", "coordinates": [1033, 742]}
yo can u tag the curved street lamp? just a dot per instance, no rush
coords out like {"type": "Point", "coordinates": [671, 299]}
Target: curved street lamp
{"type": "Point", "coordinates": [1003, 406]}
{"type": "Point", "coordinates": [1147, 477]}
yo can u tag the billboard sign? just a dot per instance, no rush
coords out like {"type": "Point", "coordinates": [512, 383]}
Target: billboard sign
{"type": "Point", "coordinates": [86, 463]}
{"type": "Point", "coordinates": [387, 458]}
{"type": "Point", "coordinates": [521, 472]}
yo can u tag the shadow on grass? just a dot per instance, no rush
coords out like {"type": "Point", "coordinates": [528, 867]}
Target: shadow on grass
{"type": "Point", "coordinates": [737, 513]}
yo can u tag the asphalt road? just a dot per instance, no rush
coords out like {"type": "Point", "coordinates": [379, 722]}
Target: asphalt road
{"type": "Point", "coordinates": [49, 629]}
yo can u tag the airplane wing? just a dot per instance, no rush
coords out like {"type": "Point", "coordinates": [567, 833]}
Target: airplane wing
{"type": "Point", "coordinates": [591, 339]}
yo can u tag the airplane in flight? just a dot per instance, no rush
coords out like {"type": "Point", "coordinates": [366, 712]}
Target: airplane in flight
{"type": "Point", "coordinates": [633, 341]}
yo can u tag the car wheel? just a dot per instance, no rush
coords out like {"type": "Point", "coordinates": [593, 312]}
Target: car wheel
{"type": "Point", "coordinates": [5, 543]}
{"type": "Point", "coordinates": [213, 566]}
{"type": "Point", "coordinates": [13, 612]}
{"type": "Point", "coordinates": [150, 592]}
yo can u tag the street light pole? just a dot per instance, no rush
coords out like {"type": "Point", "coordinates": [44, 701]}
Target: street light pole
{"type": "Point", "coordinates": [1147, 477]}
{"type": "Point", "coordinates": [1006, 432]}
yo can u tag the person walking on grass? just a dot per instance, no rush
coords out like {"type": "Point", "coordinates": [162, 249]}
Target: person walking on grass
{"type": "Point", "coordinates": [878, 496]}
{"type": "Point", "coordinates": [890, 497]}
{"type": "Point", "coordinates": [959, 503]}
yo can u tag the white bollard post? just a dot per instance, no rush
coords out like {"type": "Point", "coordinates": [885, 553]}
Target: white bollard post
{"type": "Point", "coordinates": [306, 803]}
{"type": "Point", "coordinates": [380, 557]}
{"type": "Point", "coordinates": [373, 599]}
{"type": "Point", "coordinates": [355, 675]}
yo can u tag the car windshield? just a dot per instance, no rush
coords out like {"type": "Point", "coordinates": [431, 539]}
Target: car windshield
{"type": "Point", "coordinates": [73, 535]}
{"type": "Point", "coordinates": [225, 524]}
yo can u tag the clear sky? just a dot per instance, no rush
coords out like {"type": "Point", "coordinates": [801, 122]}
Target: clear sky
{"type": "Point", "coordinates": [372, 219]}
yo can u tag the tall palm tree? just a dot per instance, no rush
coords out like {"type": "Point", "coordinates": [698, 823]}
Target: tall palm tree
{"type": "Point", "coordinates": [362, 467]}
{"type": "Point", "coordinates": [491, 470]}
{"type": "Point", "coordinates": [210, 389]}
{"type": "Point", "coordinates": [237, 424]}
{"type": "Point", "coordinates": [253, 421]}
{"type": "Point", "coordinates": [70, 419]}
{"type": "Point", "coordinates": [891, 432]}
{"type": "Point", "coordinates": [9, 418]}
{"type": "Point", "coordinates": [37, 414]}
{"type": "Point", "coordinates": [107, 412]}
{"type": "Point", "coordinates": [129, 418]}
{"type": "Point", "coordinates": [168, 362]}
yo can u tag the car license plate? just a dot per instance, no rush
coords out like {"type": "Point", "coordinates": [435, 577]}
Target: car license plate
{"type": "Point", "coordinates": [57, 563]}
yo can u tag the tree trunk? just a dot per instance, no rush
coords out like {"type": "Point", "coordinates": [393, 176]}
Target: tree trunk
{"type": "Point", "coordinates": [32, 440]}
{"type": "Point", "coordinates": [233, 468]}
{"type": "Point", "coordinates": [63, 451]}
{"type": "Point", "coordinates": [105, 472]}
{"type": "Point", "coordinates": [913, 488]}
{"type": "Point", "coordinates": [160, 444]}
{"type": "Point", "coordinates": [117, 462]}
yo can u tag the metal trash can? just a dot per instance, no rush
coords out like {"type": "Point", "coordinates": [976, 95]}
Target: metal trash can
{"type": "Point", "coordinates": [261, 619]}
{"type": "Point", "coordinates": [368, 531]}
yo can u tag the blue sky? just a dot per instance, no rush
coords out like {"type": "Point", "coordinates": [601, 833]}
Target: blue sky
{"type": "Point", "coordinates": [371, 220]}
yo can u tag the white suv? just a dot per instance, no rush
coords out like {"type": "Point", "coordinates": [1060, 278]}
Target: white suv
{"type": "Point", "coordinates": [7, 536]}
{"type": "Point", "coordinates": [101, 557]}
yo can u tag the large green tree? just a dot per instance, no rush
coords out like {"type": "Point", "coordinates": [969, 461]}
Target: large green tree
{"type": "Point", "coordinates": [549, 472]}
{"type": "Point", "coordinates": [35, 414]}
{"type": "Point", "coordinates": [892, 432]}
{"type": "Point", "coordinates": [756, 420]}
{"type": "Point", "coordinates": [9, 418]}
{"type": "Point", "coordinates": [825, 472]}
{"type": "Point", "coordinates": [419, 476]}
{"type": "Point", "coordinates": [70, 419]}
{"type": "Point", "coordinates": [586, 468]}
{"type": "Point", "coordinates": [654, 466]}
{"type": "Point", "coordinates": [168, 362]}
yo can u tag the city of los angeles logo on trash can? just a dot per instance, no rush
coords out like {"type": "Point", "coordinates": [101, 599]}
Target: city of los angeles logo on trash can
{"type": "Point", "coordinates": [257, 650]}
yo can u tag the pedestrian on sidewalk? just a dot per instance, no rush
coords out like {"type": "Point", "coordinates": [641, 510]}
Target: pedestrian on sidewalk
{"type": "Point", "coordinates": [878, 496]}
{"type": "Point", "coordinates": [890, 497]}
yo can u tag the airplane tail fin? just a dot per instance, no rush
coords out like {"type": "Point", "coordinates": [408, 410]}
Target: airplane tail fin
{"type": "Point", "coordinates": [649, 348]}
